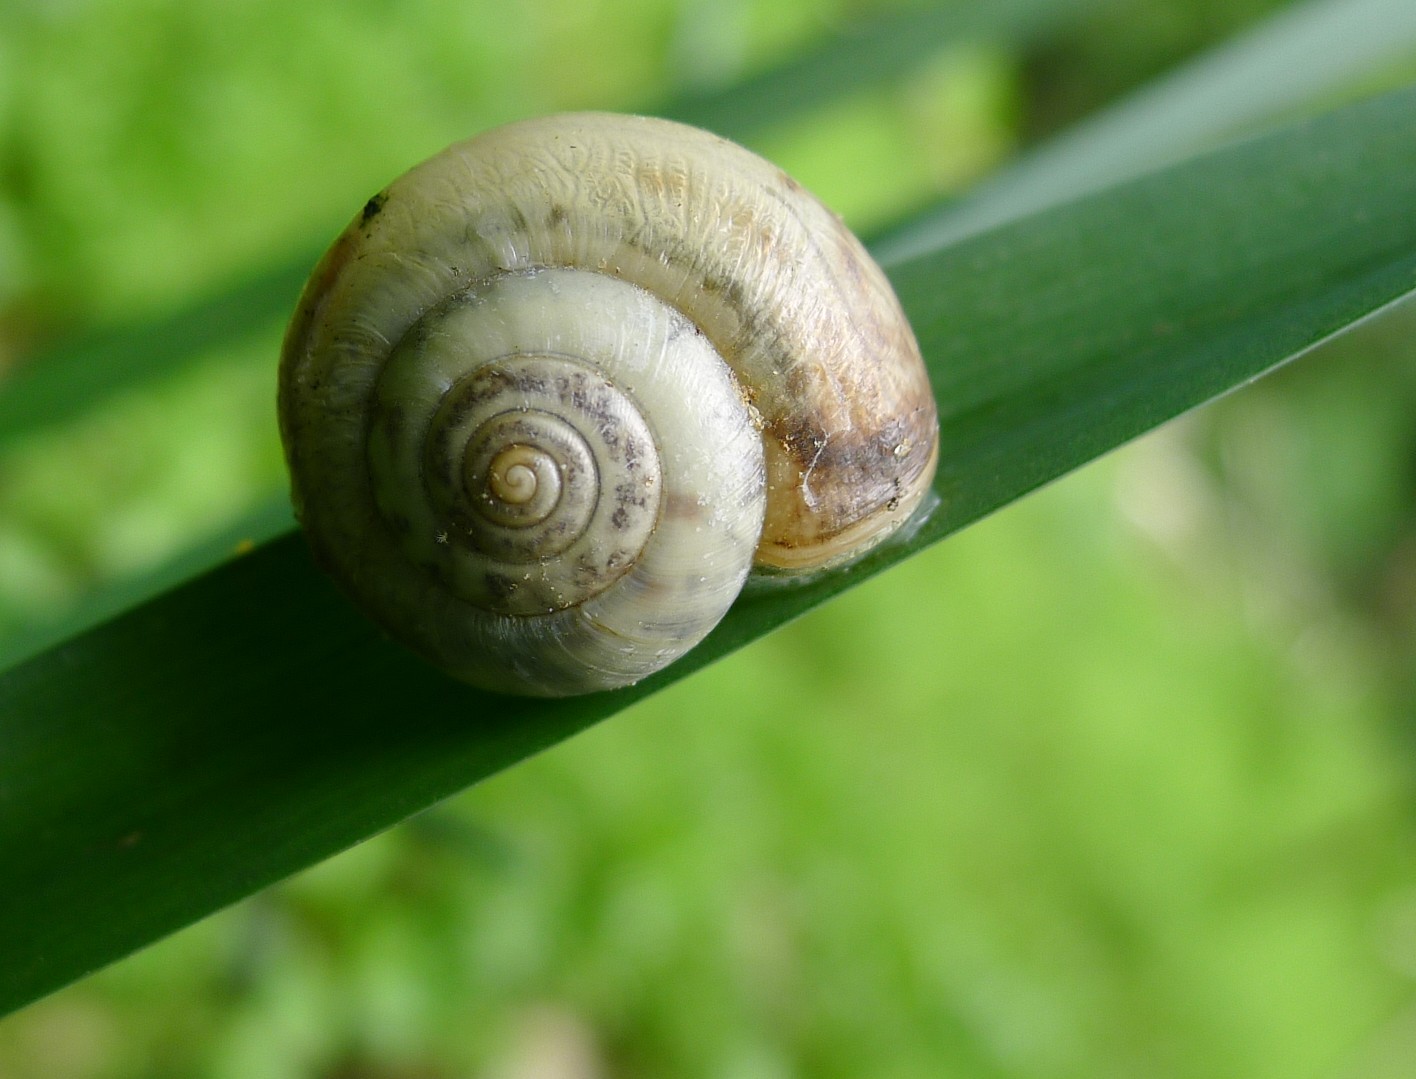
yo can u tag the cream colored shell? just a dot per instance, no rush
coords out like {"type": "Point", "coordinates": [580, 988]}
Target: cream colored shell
{"type": "Point", "coordinates": [593, 298]}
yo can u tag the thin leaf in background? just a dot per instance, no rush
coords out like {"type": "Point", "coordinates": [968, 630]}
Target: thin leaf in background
{"type": "Point", "coordinates": [1297, 57]}
{"type": "Point", "coordinates": [251, 724]}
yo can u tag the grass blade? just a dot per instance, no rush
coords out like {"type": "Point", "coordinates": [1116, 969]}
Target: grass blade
{"type": "Point", "coordinates": [1287, 62]}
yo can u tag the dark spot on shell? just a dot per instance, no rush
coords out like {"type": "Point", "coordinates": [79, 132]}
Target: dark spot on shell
{"type": "Point", "coordinates": [372, 207]}
{"type": "Point", "coordinates": [682, 507]}
{"type": "Point", "coordinates": [730, 290]}
{"type": "Point", "coordinates": [630, 493]}
{"type": "Point", "coordinates": [499, 586]}
{"type": "Point", "coordinates": [858, 472]}
{"type": "Point", "coordinates": [557, 216]}
{"type": "Point", "coordinates": [587, 572]}
{"type": "Point", "coordinates": [393, 419]}
{"type": "Point", "coordinates": [620, 518]}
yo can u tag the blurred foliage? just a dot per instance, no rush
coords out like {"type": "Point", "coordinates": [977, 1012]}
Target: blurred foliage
{"type": "Point", "coordinates": [1132, 797]}
{"type": "Point", "coordinates": [1120, 47]}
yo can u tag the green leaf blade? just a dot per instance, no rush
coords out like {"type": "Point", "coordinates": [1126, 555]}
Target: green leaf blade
{"type": "Point", "coordinates": [1125, 310]}
{"type": "Point", "coordinates": [249, 723]}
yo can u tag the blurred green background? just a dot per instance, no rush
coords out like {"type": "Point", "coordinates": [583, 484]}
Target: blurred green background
{"type": "Point", "coordinates": [1116, 783]}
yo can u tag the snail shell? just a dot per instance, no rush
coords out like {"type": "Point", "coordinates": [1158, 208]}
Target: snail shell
{"type": "Point", "coordinates": [555, 391]}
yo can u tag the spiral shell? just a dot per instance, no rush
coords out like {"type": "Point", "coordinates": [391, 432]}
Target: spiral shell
{"type": "Point", "coordinates": [555, 391]}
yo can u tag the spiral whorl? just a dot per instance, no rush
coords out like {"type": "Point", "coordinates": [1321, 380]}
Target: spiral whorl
{"type": "Point", "coordinates": [536, 479]}
{"type": "Point", "coordinates": [518, 491]}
